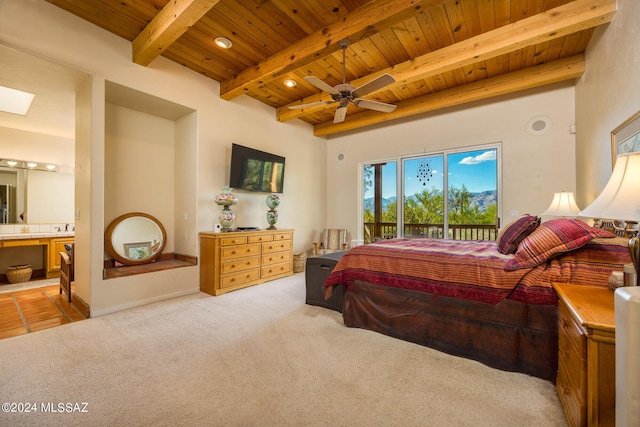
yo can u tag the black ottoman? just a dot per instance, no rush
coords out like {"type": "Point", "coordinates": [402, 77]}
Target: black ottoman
{"type": "Point", "coordinates": [317, 270]}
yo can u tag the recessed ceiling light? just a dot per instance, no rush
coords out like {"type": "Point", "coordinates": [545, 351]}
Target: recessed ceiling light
{"type": "Point", "coordinates": [290, 83]}
{"type": "Point", "coordinates": [15, 101]}
{"type": "Point", "coordinates": [223, 42]}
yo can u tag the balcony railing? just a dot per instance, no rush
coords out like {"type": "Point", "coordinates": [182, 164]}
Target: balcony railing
{"type": "Point", "coordinates": [389, 230]}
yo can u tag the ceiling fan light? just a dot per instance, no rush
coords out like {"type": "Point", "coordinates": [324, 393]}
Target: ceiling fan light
{"type": "Point", "coordinates": [223, 42]}
{"type": "Point", "coordinates": [290, 83]}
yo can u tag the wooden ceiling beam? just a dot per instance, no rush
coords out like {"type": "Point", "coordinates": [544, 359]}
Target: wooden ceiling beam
{"type": "Point", "coordinates": [362, 22]}
{"type": "Point", "coordinates": [541, 75]}
{"type": "Point", "coordinates": [166, 27]}
{"type": "Point", "coordinates": [558, 22]}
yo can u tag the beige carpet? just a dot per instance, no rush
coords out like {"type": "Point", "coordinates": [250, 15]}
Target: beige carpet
{"type": "Point", "coordinates": [254, 357]}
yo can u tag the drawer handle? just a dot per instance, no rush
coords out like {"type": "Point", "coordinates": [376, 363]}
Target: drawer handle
{"type": "Point", "coordinates": [233, 266]}
{"type": "Point", "coordinates": [233, 252]}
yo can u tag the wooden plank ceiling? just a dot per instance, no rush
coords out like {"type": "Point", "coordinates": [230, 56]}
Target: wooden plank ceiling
{"type": "Point", "coordinates": [441, 53]}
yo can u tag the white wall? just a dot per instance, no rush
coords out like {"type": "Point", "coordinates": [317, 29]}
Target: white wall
{"type": "Point", "coordinates": [606, 95]}
{"type": "Point", "coordinates": [139, 153]}
{"type": "Point", "coordinates": [533, 166]}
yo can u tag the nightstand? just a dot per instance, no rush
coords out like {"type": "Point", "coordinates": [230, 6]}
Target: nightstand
{"type": "Point", "coordinates": [586, 381]}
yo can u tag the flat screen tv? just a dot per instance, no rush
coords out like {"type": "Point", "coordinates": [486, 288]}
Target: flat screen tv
{"type": "Point", "coordinates": [255, 170]}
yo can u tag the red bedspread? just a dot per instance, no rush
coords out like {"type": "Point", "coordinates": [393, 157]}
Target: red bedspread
{"type": "Point", "coordinates": [474, 270]}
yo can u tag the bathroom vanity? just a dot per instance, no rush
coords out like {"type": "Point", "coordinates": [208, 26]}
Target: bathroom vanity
{"type": "Point", "coordinates": [49, 243]}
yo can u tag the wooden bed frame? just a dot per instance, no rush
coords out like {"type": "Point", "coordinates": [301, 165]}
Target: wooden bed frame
{"type": "Point", "coordinates": [510, 335]}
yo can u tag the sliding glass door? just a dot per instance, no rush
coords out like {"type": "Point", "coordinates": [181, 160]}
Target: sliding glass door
{"type": "Point", "coordinates": [452, 195]}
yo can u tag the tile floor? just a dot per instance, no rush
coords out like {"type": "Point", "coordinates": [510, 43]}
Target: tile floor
{"type": "Point", "coordinates": [25, 311]}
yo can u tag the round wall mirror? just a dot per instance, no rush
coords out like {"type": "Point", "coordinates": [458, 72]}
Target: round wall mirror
{"type": "Point", "coordinates": [135, 238]}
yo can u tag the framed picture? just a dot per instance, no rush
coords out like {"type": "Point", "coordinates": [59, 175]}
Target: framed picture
{"type": "Point", "coordinates": [137, 251]}
{"type": "Point", "coordinates": [626, 137]}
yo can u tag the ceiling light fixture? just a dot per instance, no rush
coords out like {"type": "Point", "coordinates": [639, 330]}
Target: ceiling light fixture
{"type": "Point", "coordinates": [51, 167]}
{"type": "Point", "coordinates": [223, 42]}
{"type": "Point", "coordinates": [290, 83]}
{"type": "Point", "coordinates": [12, 162]}
{"type": "Point", "coordinates": [32, 164]}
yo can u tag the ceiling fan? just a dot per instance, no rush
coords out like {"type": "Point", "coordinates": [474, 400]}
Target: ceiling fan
{"type": "Point", "coordinates": [345, 93]}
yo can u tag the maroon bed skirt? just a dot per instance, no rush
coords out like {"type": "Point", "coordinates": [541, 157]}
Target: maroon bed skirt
{"type": "Point", "coordinates": [510, 335]}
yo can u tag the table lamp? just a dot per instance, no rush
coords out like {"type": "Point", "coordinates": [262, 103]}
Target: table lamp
{"type": "Point", "coordinates": [562, 205]}
{"type": "Point", "coordinates": [620, 199]}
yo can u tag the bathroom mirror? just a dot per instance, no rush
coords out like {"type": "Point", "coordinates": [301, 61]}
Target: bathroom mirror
{"type": "Point", "coordinates": [135, 238]}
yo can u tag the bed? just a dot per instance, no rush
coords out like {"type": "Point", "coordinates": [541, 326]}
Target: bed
{"type": "Point", "coordinates": [488, 301]}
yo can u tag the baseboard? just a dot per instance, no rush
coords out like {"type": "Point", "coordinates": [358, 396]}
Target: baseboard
{"type": "Point", "coordinates": [114, 309]}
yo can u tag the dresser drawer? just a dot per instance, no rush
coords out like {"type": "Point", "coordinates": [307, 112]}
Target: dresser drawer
{"type": "Point", "coordinates": [572, 399]}
{"type": "Point", "coordinates": [569, 333]}
{"type": "Point", "coordinates": [236, 279]}
{"type": "Point", "coordinates": [282, 236]}
{"type": "Point", "coordinates": [276, 258]}
{"type": "Point", "coordinates": [260, 239]}
{"type": "Point", "coordinates": [239, 264]}
{"type": "Point", "coordinates": [240, 251]}
{"type": "Point", "coordinates": [283, 245]}
{"type": "Point", "coordinates": [233, 241]}
{"type": "Point", "coordinates": [574, 366]}
{"type": "Point", "coordinates": [272, 270]}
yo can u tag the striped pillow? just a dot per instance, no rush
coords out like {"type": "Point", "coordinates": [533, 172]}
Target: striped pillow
{"type": "Point", "coordinates": [552, 238]}
{"type": "Point", "coordinates": [513, 233]}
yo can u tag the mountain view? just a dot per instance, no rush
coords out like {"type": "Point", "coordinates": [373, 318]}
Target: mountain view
{"type": "Point", "coordinates": [482, 200]}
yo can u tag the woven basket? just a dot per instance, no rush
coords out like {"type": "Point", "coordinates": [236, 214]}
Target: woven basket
{"type": "Point", "coordinates": [298, 262]}
{"type": "Point", "coordinates": [19, 273]}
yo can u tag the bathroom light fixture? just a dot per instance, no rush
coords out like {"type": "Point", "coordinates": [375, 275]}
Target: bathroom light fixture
{"type": "Point", "coordinates": [223, 42]}
{"type": "Point", "coordinates": [29, 164]}
{"type": "Point", "coordinates": [290, 83]}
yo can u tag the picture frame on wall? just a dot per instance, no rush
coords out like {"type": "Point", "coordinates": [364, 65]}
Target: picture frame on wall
{"type": "Point", "coordinates": [626, 137]}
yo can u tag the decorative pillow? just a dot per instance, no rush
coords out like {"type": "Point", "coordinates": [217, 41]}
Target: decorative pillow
{"type": "Point", "coordinates": [513, 233]}
{"type": "Point", "coordinates": [552, 238]}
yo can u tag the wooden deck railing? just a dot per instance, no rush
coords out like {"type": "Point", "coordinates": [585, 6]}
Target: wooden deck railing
{"type": "Point", "coordinates": [388, 230]}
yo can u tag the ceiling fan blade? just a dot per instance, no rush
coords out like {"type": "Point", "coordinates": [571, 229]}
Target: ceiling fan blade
{"type": "Point", "coordinates": [374, 105]}
{"type": "Point", "coordinates": [311, 104]}
{"type": "Point", "coordinates": [373, 85]}
{"type": "Point", "coordinates": [321, 85]}
{"type": "Point", "coordinates": [341, 113]}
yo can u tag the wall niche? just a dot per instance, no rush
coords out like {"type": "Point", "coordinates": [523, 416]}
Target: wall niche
{"type": "Point", "coordinates": [149, 156]}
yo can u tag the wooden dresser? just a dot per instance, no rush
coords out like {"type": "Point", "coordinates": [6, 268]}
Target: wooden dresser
{"type": "Point", "coordinates": [586, 381]}
{"type": "Point", "coordinates": [235, 260]}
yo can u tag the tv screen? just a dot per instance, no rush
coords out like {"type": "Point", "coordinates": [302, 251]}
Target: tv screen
{"type": "Point", "coordinates": [255, 170]}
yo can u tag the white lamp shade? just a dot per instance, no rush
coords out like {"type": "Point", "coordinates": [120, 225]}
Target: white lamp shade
{"type": "Point", "coordinates": [562, 205]}
{"type": "Point", "coordinates": [620, 198]}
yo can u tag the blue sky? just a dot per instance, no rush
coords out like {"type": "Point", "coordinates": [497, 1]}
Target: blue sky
{"type": "Point", "coordinates": [475, 169]}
